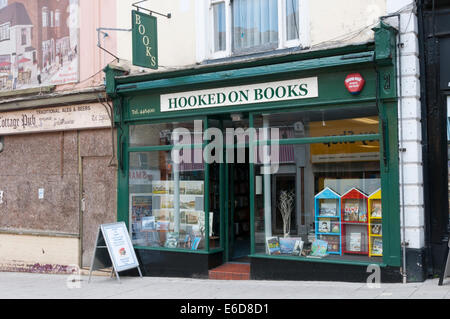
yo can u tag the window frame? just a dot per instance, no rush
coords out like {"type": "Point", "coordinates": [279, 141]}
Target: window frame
{"type": "Point", "coordinates": [303, 40]}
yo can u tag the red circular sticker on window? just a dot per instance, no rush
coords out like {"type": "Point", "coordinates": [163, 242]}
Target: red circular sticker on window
{"type": "Point", "coordinates": [354, 83]}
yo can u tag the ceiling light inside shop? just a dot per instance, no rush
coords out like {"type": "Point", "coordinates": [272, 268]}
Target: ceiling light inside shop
{"type": "Point", "coordinates": [366, 120]}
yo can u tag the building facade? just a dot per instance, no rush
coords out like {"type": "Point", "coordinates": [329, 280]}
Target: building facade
{"type": "Point", "coordinates": [242, 72]}
{"type": "Point", "coordinates": [58, 145]}
{"type": "Point", "coordinates": [339, 84]}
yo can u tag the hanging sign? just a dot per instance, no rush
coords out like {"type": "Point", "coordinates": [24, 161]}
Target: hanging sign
{"type": "Point", "coordinates": [113, 248]}
{"type": "Point", "coordinates": [145, 40]}
{"type": "Point", "coordinates": [355, 83]}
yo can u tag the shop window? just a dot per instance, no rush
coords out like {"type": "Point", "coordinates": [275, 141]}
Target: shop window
{"type": "Point", "coordinates": [338, 122]}
{"type": "Point", "coordinates": [166, 202]}
{"type": "Point", "coordinates": [161, 134]}
{"type": "Point", "coordinates": [246, 26]}
{"type": "Point", "coordinates": [324, 199]}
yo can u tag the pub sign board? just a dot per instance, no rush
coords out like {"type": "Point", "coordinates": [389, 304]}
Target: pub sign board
{"type": "Point", "coordinates": [145, 40]}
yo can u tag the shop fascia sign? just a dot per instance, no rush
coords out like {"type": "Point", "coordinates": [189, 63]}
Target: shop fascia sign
{"type": "Point", "coordinates": [240, 95]}
{"type": "Point", "coordinates": [63, 118]}
{"type": "Point", "coordinates": [145, 40]}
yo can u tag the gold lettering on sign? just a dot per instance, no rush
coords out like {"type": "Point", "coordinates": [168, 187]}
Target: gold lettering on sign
{"type": "Point", "coordinates": [145, 40]}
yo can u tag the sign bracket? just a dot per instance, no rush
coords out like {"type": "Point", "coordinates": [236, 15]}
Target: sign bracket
{"type": "Point", "coordinates": [105, 35]}
{"type": "Point", "coordinates": [151, 12]}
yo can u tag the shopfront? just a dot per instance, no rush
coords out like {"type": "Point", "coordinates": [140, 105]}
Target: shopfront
{"type": "Point", "coordinates": [287, 163]}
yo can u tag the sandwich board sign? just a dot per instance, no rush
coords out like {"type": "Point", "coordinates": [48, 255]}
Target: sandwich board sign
{"type": "Point", "coordinates": [113, 248]}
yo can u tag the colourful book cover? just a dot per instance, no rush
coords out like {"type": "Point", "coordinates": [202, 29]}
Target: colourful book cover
{"type": "Point", "coordinates": [319, 248]}
{"type": "Point", "coordinates": [273, 246]}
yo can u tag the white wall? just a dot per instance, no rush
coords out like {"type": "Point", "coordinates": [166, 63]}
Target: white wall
{"type": "Point", "coordinates": [176, 36]}
{"type": "Point", "coordinates": [410, 128]}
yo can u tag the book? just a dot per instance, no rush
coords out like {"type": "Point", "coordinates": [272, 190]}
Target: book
{"type": "Point", "coordinates": [377, 246]}
{"type": "Point", "coordinates": [319, 248]}
{"type": "Point", "coordinates": [351, 210]}
{"type": "Point", "coordinates": [287, 245]}
{"type": "Point", "coordinates": [273, 246]}
{"type": "Point", "coordinates": [328, 208]}
{"type": "Point", "coordinates": [362, 216]}
{"type": "Point", "coordinates": [335, 228]}
{"type": "Point", "coordinates": [324, 226]}
{"type": "Point", "coordinates": [171, 240]}
{"type": "Point", "coordinates": [376, 229]}
{"type": "Point", "coordinates": [148, 223]}
{"type": "Point", "coordinates": [355, 242]}
{"type": "Point", "coordinates": [298, 247]}
{"type": "Point", "coordinates": [195, 243]}
{"type": "Point", "coordinates": [376, 209]}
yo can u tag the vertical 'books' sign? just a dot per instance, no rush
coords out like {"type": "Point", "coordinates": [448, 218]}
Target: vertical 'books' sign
{"type": "Point", "coordinates": [145, 40]}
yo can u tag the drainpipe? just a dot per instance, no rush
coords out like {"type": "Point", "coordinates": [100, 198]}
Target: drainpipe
{"type": "Point", "coordinates": [424, 101]}
{"type": "Point", "coordinates": [401, 148]}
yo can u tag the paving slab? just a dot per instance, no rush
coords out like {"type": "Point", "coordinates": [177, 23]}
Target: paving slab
{"type": "Point", "coordinates": [39, 286]}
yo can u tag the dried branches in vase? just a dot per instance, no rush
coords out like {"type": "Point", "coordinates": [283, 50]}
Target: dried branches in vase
{"type": "Point", "coordinates": [285, 205]}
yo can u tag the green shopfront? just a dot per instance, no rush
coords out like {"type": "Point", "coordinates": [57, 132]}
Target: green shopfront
{"type": "Point", "coordinates": [326, 209]}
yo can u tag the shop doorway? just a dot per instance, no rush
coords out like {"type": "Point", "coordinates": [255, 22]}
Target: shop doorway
{"type": "Point", "coordinates": [239, 212]}
{"type": "Point", "coordinates": [235, 190]}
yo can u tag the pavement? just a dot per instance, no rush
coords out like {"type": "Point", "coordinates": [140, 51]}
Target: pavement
{"type": "Point", "coordinates": [40, 286]}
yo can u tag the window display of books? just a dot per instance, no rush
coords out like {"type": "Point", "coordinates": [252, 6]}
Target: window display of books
{"type": "Point", "coordinates": [153, 215]}
{"type": "Point", "coordinates": [328, 218]}
{"type": "Point", "coordinates": [375, 224]}
{"type": "Point", "coordinates": [355, 222]}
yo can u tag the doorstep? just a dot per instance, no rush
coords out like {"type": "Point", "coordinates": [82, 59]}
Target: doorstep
{"type": "Point", "coordinates": [231, 271]}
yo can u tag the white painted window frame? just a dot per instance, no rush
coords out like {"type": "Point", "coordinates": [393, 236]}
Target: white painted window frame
{"type": "Point", "coordinates": [283, 43]}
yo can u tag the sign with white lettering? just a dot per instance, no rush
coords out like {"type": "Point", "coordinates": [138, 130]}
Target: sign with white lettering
{"type": "Point", "coordinates": [145, 40]}
{"type": "Point", "coordinates": [63, 118]}
{"type": "Point", "coordinates": [240, 95]}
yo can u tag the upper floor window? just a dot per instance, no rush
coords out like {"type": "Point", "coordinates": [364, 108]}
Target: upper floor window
{"type": "Point", "coordinates": [57, 18]}
{"type": "Point", "coordinates": [5, 31]}
{"type": "Point", "coordinates": [246, 26]}
{"type": "Point", "coordinates": [44, 17]}
{"type": "Point", "coordinates": [24, 36]}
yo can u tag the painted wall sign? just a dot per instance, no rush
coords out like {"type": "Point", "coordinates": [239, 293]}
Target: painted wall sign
{"type": "Point", "coordinates": [240, 95]}
{"type": "Point", "coordinates": [63, 118]}
{"type": "Point", "coordinates": [355, 83]}
{"type": "Point", "coordinates": [145, 40]}
{"type": "Point", "coordinates": [39, 43]}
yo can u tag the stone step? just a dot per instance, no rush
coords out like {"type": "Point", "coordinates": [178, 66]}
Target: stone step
{"type": "Point", "coordinates": [231, 271]}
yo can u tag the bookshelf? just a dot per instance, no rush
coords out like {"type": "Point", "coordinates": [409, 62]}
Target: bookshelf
{"type": "Point", "coordinates": [327, 205]}
{"type": "Point", "coordinates": [375, 225]}
{"type": "Point", "coordinates": [355, 224]}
